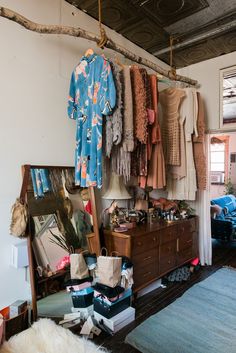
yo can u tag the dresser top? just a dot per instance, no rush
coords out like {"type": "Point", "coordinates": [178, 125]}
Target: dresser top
{"type": "Point", "coordinates": [151, 227]}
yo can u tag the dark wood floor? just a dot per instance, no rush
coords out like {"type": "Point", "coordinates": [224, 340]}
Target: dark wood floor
{"type": "Point", "coordinates": [151, 303]}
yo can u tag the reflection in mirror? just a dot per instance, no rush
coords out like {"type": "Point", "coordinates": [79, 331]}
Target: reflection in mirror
{"type": "Point", "coordinates": [47, 253]}
{"type": "Point", "coordinates": [61, 219]}
{"type": "Point", "coordinates": [228, 96]}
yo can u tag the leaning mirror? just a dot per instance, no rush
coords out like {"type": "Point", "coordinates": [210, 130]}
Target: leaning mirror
{"type": "Point", "coordinates": [62, 220]}
{"type": "Point", "coordinates": [228, 98]}
{"type": "Point", "coordinates": [46, 244]}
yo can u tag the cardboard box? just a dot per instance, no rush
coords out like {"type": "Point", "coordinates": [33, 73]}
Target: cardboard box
{"type": "Point", "coordinates": [117, 322]}
{"type": "Point", "coordinates": [82, 298]}
{"type": "Point", "coordinates": [17, 308]}
{"type": "Point", "coordinates": [111, 310]}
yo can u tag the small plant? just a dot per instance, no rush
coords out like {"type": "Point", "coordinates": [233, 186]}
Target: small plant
{"type": "Point", "coordinates": [229, 188]}
{"type": "Point", "coordinates": [68, 239]}
{"type": "Point", "coordinates": [184, 206]}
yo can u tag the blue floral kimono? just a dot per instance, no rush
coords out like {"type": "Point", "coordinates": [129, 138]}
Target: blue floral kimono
{"type": "Point", "coordinates": [41, 182]}
{"type": "Point", "coordinates": [92, 94]}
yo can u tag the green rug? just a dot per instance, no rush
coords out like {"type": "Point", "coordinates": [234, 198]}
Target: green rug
{"type": "Point", "coordinates": [203, 320]}
{"type": "Point", "coordinates": [55, 305]}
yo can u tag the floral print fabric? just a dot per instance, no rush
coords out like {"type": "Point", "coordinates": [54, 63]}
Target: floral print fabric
{"type": "Point", "coordinates": [41, 182]}
{"type": "Point", "coordinates": [92, 95]}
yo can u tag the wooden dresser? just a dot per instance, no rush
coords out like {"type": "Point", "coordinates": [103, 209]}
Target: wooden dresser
{"type": "Point", "coordinates": [157, 248]}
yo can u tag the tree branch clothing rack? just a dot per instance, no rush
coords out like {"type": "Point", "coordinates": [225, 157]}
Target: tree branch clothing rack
{"type": "Point", "coordinates": [81, 33]}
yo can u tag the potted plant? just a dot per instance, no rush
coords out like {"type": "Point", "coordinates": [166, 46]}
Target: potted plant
{"type": "Point", "coordinates": [68, 239]}
{"type": "Point", "coordinates": [229, 188]}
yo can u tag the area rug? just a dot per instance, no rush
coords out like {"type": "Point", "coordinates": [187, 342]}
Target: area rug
{"type": "Point", "coordinates": [55, 305]}
{"type": "Point", "coordinates": [47, 337]}
{"type": "Point", "coordinates": [203, 320]}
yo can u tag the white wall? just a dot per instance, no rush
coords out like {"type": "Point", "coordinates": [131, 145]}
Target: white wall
{"type": "Point", "coordinates": [34, 78]}
{"type": "Point", "coordinates": [207, 73]}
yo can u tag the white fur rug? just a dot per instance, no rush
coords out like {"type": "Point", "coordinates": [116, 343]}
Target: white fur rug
{"type": "Point", "coordinates": [45, 336]}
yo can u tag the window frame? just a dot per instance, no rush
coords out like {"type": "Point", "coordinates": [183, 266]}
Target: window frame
{"type": "Point", "coordinates": [225, 140]}
{"type": "Point", "coordinates": [223, 73]}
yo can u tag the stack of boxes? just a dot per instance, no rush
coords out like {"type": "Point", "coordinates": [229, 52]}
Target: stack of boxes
{"type": "Point", "coordinates": [110, 306]}
{"type": "Point", "coordinates": [82, 297]}
{"type": "Point", "coordinates": [114, 315]}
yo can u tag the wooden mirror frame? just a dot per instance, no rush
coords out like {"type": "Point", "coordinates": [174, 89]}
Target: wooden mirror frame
{"type": "Point", "coordinates": [93, 238]}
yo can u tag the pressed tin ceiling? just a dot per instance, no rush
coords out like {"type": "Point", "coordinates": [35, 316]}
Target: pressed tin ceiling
{"type": "Point", "coordinates": [204, 28]}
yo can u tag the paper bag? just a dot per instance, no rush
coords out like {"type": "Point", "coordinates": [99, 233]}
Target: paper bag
{"type": "Point", "coordinates": [78, 267]}
{"type": "Point", "coordinates": [109, 270]}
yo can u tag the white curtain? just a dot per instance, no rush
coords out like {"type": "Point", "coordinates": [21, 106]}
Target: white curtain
{"type": "Point", "coordinates": [203, 211]}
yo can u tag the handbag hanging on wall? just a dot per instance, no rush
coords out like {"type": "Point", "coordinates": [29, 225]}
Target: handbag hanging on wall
{"type": "Point", "coordinates": [19, 212]}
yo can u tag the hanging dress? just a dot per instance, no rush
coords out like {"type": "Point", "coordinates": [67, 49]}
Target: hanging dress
{"type": "Point", "coordinates": [198, 147]}
{"type": "Point", "coordinates": [156, 174]}
{"type": "Point", "coordinates": [186, 187]}
{"type": "Point", "coordinates": [92, 94]}
{"type": "Point", "coordinates": [170, 100]}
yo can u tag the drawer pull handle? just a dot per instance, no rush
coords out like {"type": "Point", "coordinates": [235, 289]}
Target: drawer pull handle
{"type": "Point", "coordinates": [169, 248]}
{"type": "Point", "coordinates": [177, 245]}
{"type": "Point", "coordinates": [169, 262]}
{"type": "Point", "coordinates": [139, 243]}
{"type": "Point", "coordinates": [147, 258]}
{"type": "Point", "coordinates": [147, 274]}
{"type": "Point", "coordinates": [154, 238]}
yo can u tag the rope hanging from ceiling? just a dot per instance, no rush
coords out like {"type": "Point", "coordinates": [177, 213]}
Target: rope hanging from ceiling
{"type": "Point", "coordinates": [81, 33]}
{"type": "Point", "coordinates": [172, 71]}
{"type": "Point", "coordinates": [103, 36]}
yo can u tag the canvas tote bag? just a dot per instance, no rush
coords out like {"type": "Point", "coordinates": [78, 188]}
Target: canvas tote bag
{"type": "Point", "coordinates": [109, 270]}
{"type": "Point", "coordinates": [78, 267]}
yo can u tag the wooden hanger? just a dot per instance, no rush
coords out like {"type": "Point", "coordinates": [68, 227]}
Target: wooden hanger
{"type": "Point", "coordinates": [89, 52]}
{"type": "Point", "coordinates": [166, 81]}
{"type": "Point", "coordinates": [159, 75]}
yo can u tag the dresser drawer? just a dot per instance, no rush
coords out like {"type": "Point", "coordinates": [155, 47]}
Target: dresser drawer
{"type": "Point", "coordinates": [144, 242]}
{"type": "Point", "coordinates": [185, 255]}
{"type": "Point", "coordinates": [146, 257]}
{"type": "Point", "coordinates": [168, 234]}
{"type": "Point", "coordinates": [185, 241]}
{"type": "Point", "coordinates": [168, 249]}
{"type": "Point", "coordinates": [167, 264]}
{"type": "Point", "coordinates": [167, 256]}
{"type": "Point", "coordinates": [187, 226]}
{"type": "Point", "coordinates": [145, 274]}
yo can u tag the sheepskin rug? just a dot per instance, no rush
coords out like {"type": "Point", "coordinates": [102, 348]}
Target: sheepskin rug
{"type": "Point", "coordinates": [45, 336]}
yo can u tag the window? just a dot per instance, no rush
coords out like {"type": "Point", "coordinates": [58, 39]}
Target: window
{"type": "Point", "coordinates": [219, 159]}
{"type": "Point", "coordinates": [228, 97]}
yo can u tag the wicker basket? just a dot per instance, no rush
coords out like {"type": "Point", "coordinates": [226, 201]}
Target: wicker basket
{"type": "Point", "coordinates": [15, 325]}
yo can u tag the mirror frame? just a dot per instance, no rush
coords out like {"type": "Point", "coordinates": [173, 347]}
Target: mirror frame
{"type": "Point", "coordinates": [93, 238]}
{"type": "Point", "coordinates": [226, 126]}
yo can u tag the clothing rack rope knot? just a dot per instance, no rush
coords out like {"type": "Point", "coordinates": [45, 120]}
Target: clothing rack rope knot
{"type": "Point", "coordinates": [103, 36]}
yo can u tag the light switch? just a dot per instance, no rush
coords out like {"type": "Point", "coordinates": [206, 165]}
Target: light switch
{"type": "Point", "coordinates": [20, 255]}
